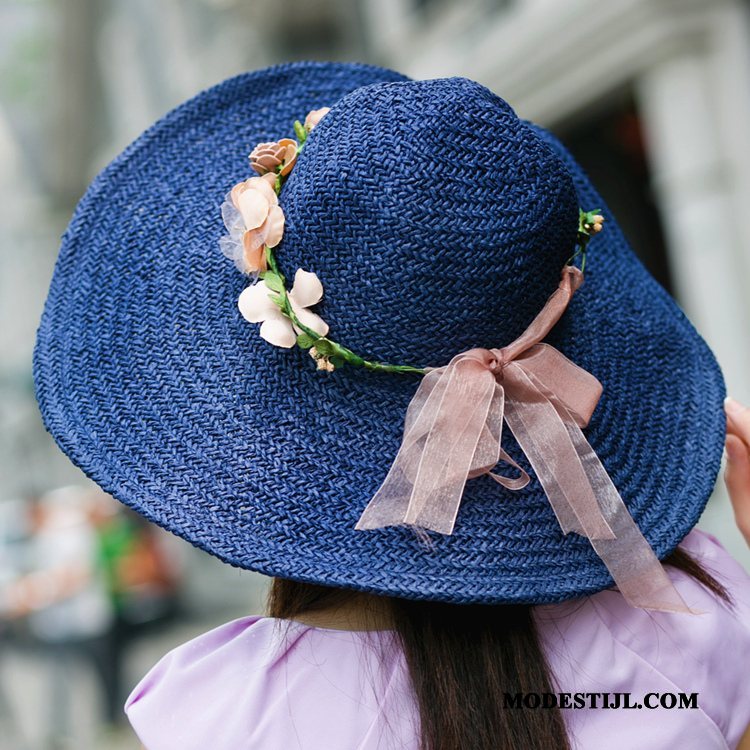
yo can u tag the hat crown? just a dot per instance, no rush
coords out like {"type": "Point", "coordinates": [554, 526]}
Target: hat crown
{"type": "Point", "coordinates": [436, 219]}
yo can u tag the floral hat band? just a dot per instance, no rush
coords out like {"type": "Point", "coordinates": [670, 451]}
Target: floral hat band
{"type": "Point", "coordinates": [453, 425]}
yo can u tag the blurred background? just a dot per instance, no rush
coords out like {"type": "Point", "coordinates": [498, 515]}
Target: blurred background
{"type": "Point", "coordinates": [652, 96]}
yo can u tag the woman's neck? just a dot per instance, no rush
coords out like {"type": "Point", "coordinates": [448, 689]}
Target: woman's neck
{"type": "Point", "coordinates": [360, 612]}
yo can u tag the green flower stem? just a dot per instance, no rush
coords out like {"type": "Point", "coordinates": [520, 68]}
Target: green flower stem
{"type": "Point", "coordinates": [301, 133]}
{"type": "Point", "coordinates": [271, 260]}
{"type": "Point", "coordinates": [583, 241]}
{"type": "Point", "coordinates": [585, 219]}
{"type": "Point", "coordinates": [329, 349]}
{"type": "Point", "coordinates": [381, 367]}
{"type": "Point", "coordinates": [336, 349]}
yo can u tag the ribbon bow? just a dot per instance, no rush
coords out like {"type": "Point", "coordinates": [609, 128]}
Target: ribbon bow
{"type": "Point", "coordinates": [453, 430]}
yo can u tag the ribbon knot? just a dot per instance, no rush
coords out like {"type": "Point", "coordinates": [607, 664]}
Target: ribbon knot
{"type": "Point", "coordinates": [496, 362]}
{"type": "Point", "coordinates": [453, 432]}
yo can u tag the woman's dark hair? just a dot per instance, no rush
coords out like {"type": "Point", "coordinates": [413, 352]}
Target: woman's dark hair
{"type": "Point", "coordinates": [463, 658]}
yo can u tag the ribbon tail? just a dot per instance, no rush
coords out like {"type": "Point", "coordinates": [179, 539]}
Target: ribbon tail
{"type": "Point", "coordinates": [489, 450]}
{"type": "Point", "coordinates": [511, 483]}
{"type": "Point", "coordinates": [572, 476]}
{"type": "Point", "coordinates": [632, 563]}
{"type": "Point", "coordinates": [543, 437]}
{"type": "Point", "coordinates": [426, 481]}
{"type": "Point", "coordinates": [389, 505]}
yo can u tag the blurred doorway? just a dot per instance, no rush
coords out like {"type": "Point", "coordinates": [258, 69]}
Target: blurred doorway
{"type": "Point", "coordinates": [611, 148]}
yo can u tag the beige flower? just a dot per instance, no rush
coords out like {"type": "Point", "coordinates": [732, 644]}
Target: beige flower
{"type": "Point", "coordinates": [322, 362]}
{"type": "Point", "coordinates": [314, 117]}
{"type": "Point", "coordinates": [255, 220]}
{"type": "Point", "coordinates": [595, 224]}
{"type": "Point", "coordinates": [267, 157]}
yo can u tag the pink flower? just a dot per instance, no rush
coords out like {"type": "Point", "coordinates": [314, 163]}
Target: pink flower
{"type": "Point", "coordinates": [314, 117]}
{"type": "Point", "coordinates": [255, 220]}
{"type": "Point", "coordinates": [267, 157]}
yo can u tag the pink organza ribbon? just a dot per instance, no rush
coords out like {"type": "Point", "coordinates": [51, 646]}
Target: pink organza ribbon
{"type": "Point", "coordinates": [453, 431]}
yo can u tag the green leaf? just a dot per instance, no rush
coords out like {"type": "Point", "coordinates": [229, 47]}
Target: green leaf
{"type": "Point", "coordinates": [300, 132]}
{"type": "Point", "coordinates": [324, 347]}
{"type": "Point", "coordinates": [587, 217]}
{"type": "Point", "coordinates": [279, 301]}
{"type": "Point", "coordinates": [305, 341]}
{"type": "Point", "coordinates": [273, 281]}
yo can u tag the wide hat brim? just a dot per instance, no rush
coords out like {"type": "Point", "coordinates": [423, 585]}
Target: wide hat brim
{"type": "Point", "coordinates": [152, 383]}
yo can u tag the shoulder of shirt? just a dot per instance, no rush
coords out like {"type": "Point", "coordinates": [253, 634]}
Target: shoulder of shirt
{"type": "Point", "coordinates": [193, 675]}
{"type": "Point", "coordinates": [217, 689]}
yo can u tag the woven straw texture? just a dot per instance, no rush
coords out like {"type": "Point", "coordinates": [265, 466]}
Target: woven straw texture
{"type": "Point", "coordinates": [437, 221]}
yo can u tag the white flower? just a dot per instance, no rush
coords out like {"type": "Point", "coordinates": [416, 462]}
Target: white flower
{"type": "Point", "coordinates": [256, 306]}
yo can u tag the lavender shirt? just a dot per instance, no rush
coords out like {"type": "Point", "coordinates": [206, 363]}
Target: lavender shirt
{"type": "Point", "coordinates": [257, 682]}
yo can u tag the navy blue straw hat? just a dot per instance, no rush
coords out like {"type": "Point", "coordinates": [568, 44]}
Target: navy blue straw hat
{"type": "Point", "coordinates": [438, 221]}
